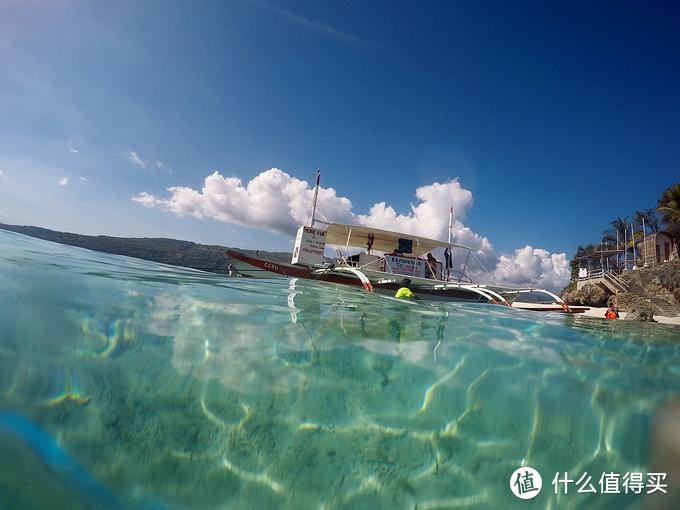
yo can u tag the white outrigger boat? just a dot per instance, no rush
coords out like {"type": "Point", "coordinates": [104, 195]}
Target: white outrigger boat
{"type": "Point", "coordinates": [386, 259]}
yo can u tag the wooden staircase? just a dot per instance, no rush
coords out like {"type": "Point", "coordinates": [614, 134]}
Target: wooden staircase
{"type": "Point", "coordinates": [606, 279]}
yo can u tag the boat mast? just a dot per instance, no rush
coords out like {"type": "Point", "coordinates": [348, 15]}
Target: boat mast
{"type": "Point", "coordinates": [450, 223]}
{"type": "Point", "coordinates": [316, 195]}
{"type": "Point", "coordinates": [448, 269]}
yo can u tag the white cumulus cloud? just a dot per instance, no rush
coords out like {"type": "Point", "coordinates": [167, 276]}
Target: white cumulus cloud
{"type": "Point", "coordinates": [430, 218]}
{"type": "Point", "coordinates": [533, 266]}
{"type": "Point", "coordinates": [273, 200]}
{"type": "Point", "coordinates": [3, 176]}
{"type": "Point", "coordinates": [84, 179]}
{"type": "Point", "coordinates": [63, 181]}
{"type": "Point", "coordinates": [280, 202]}
{"type": "Point", "coordinates": [74, 151]}
{"type": "Point", "coordinates": [132, 156]}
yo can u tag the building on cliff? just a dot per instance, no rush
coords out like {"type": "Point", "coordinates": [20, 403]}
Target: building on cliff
{"type": "Point", "coordinates": [656, 249]}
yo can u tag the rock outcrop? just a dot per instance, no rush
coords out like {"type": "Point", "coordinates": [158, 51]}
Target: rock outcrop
{"type": "Point", "coordinates": [641, 312]}
{"type": "Point", "coordinates": [659, 286]}
{"type": "Point", "coordinates": [668, 275]}
{"type": "Point", "coordinates": [652, 291]}
{"type": "Point", "coordinates": [589, 295]}
{"type": "Point", "coordinates": [637, 308]}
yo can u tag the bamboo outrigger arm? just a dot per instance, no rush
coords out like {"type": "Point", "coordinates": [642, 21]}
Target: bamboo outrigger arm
{"type": "Point", "coordinates": [368, 287]}
{"type": "Point", "coordinates": [493, 297]}
{"type": "Point", "coordinates": [557, 299]}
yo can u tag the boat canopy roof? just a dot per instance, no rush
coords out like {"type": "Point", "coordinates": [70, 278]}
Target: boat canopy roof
{"type": "Point", "coordinates": [386, 241]}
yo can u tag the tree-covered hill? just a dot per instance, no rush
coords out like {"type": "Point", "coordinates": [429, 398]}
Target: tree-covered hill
{"type": "Point", "coordinates": [167, 251]}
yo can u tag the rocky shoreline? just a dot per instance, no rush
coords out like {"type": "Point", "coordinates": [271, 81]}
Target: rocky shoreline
{"type": "Point", "coordinates": [653, 292]}
{"type": "Point", "coordinates": [599, 312]}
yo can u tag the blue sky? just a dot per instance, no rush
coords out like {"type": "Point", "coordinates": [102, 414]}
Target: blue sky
{"type": "Point", "coordinates": [555, 116]}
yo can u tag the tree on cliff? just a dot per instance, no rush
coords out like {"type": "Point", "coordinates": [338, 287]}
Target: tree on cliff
{"type": "Point", "coordinates": [581, 251]}
{"type": "Point", "coordinates": [620, 226]}
{"type": "Point", "coordinates": [669, 207]}
{"type": "Point", "coordinates": [651, 220]}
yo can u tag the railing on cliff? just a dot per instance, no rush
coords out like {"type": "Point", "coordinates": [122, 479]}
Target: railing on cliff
{"type": "Point", "coordinates": [608, 278]}
{"type": "Point", "coordinates": [618, 281]}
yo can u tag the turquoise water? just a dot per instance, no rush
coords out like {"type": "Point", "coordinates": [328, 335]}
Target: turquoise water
{"type": "Point", "coordinates": [128, 384]}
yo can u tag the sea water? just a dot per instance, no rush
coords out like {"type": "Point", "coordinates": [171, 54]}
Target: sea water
{"type": "Point", "coordinates": [129, 384]}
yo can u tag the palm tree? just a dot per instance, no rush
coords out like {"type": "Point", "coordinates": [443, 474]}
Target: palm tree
{"type": "Point", "coordinates": [649, 218]}
{"type": "Point", "coordinates": [620, 225]}
{"type": "Point", "coordinates": [669, 203]}
{"type": "Point", "coordinates": [669, 207]}
{"type": "Point", "coordinates": [652, 220]}
{"type": "Point", "coordinates": [643, 218]}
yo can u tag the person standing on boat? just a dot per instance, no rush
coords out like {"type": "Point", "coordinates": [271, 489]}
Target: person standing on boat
{"type": "Point", "coordinates": [369, 243]}
{"type": "Point", "coordinates": [405, 291]}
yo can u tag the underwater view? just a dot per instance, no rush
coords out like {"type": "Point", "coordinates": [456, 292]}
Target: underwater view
{"type": "Point", "coordinates": [130, 384]}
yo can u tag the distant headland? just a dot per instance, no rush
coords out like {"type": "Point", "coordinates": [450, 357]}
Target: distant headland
{"type": "Point", "coordinates": [174, 252]}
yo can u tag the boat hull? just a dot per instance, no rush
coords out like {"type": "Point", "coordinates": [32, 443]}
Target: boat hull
{"type": "Point", "coordinates": [260, 267]}
{"type": "Point", "coordinates": [383, 283]}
